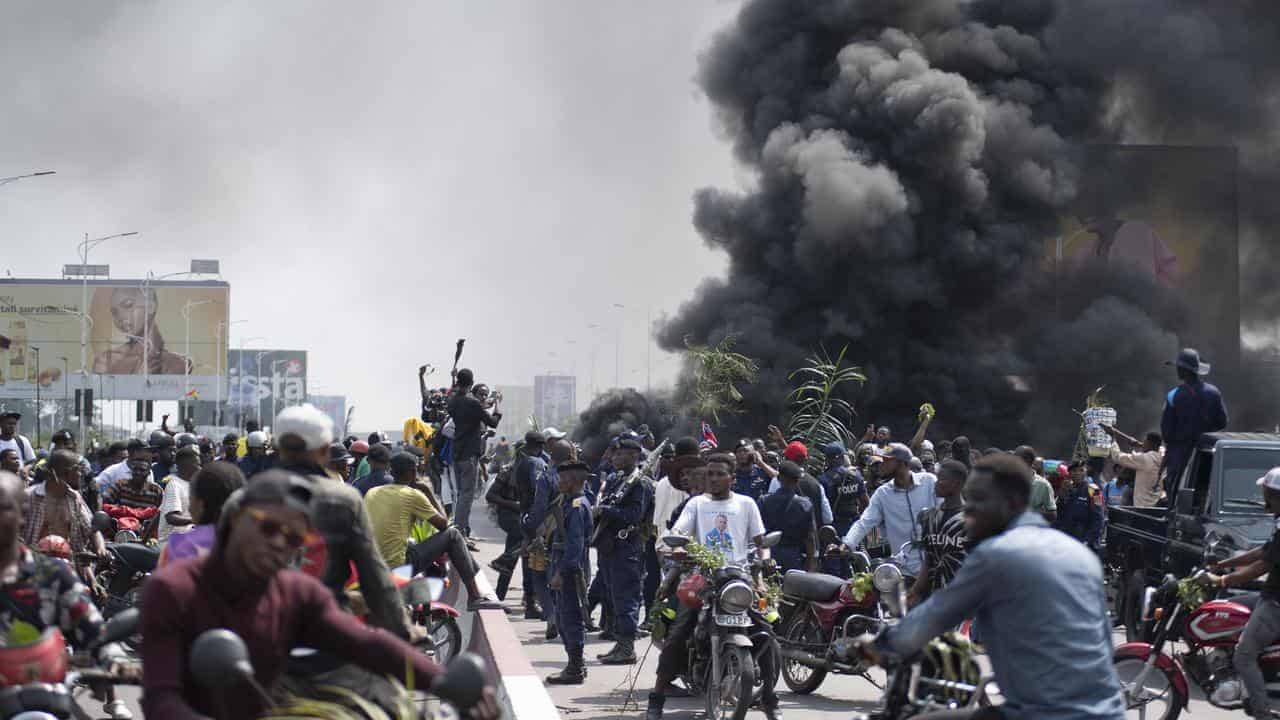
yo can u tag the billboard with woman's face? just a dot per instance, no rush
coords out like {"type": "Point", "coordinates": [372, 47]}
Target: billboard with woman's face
{"type": "Point", "coordinates": [152, 341]}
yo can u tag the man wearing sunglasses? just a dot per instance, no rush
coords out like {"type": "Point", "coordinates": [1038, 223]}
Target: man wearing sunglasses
{"type": "Point", "coordinates": [246, 586]}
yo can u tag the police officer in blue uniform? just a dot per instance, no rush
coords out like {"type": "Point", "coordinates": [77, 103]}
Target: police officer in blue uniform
{"type": "Point", "coordinates": [750, 477]}
{"type": "Point", "coordinates": [624, 502]}
{"type": "Point", "coordinates": [1080, 509]}
{"type": "Point", "coordinates": [790, 513]}
{"type": "Point", "coordinates": [568, 564]}
{"type": "Point", "coordinates": [847, 489]}
{"type": "Point", "coordinates": [1191, 409]}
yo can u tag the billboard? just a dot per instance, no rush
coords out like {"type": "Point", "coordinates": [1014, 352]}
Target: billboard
{"type": "Point", "coordinates": [335, 406]}
{"type": "Point", "coordinates": [150, 340]}
{"type": "Point", "coordinates": [554, 399]}
{"type": "Point", "coordinates": [261, 383]}
{"type": "Point", "coordinates": [1169, 212]}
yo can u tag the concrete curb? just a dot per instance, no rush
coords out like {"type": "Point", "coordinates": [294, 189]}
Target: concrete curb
{"type": "Point", "coordinates": [488, 633]}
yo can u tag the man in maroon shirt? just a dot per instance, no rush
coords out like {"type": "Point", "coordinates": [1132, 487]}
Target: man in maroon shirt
{"type": "Point", "coordinates": [244, 586]}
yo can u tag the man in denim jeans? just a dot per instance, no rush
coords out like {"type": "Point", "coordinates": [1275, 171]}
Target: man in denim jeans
{"type": "Point", "coordinates": [470, 417]}
{"type": "Point", "coordinates": [1263, 628]}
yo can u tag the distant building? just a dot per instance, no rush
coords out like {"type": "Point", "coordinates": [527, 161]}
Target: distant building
{"type": "Point", "coordinates": [517, 408]}
{"type": "Point", "coordinates": [555, 399]}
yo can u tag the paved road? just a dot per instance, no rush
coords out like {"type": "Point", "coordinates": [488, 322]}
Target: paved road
{"type": "Point", "coordinates": [613, 693]}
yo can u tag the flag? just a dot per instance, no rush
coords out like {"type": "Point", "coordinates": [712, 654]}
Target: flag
{"type": "Point", "coordinates": [709, 441]}
{"type": "Point", "coordinates": [194, 394]}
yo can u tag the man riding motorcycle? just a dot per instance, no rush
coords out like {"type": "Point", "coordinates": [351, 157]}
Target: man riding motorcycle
{"type": "Point", "coordinates": [1264, 622]}
{"type": "Point", "coordinates": [39, 594]}
{"type": "Point", "coordinates": [1039, 604]}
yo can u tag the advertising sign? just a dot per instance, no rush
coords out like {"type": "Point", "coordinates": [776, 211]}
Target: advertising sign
{"type": "Point", "coordinates": [261, 383]}
{"type": "Point", "coordinates": [1169, 213]}
{"type": "Point", "coordinates": [151, 340]}
{"type": "Point", "coordinates": [554, 398]}
{"type": "Point", "coordinates": [335, 406]}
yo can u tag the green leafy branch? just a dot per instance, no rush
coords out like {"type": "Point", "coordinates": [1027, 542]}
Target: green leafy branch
{"type": "Point", "coordinates": [820, 415]}
{"type": "Point", "coordinates": [718, 372]}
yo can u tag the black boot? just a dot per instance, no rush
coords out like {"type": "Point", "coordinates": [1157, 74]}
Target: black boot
{"type": "Point", "coordinates": [532, 611]}
{"type": "Point", "coordinates": [623, 653]}
{"type": "Point", "coordinates": [654, 711]}
{"type": "Point", "coordinates": [552, 632]}
{"type": "Point", "coordinates": [575, 673]}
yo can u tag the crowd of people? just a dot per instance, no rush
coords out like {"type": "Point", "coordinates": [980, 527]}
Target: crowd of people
{"type": "Point", "coordinates": [1000, 536]}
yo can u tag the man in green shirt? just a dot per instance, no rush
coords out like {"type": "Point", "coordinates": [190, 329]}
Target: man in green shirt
{"type": "Point", "coordinates": [1042, 500]}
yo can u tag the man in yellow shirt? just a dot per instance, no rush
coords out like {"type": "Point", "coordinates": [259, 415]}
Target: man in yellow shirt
{"type": "Point", "coordinates": [393, 510]}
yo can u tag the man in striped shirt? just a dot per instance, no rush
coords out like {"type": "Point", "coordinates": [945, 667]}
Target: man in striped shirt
{"type": "Point", "coordinates": [138, 491]}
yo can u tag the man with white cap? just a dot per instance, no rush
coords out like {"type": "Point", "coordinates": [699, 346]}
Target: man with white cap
{"type": "Point", "coordinates": [1264, 623]}
{"type": "Point", "coordinates": [1191, 409]}
{"type": "Point", "coordinates": [303, 436]}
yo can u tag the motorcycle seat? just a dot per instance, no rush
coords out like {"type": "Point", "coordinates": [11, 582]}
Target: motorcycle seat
{"type": "Point", "coordinates": [138, 557]}
{"type": "Point", "coordinates": [817, 587]}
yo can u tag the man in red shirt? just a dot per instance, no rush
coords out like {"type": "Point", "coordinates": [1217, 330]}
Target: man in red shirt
{"type": "Point", "coordinates": [244, 586]}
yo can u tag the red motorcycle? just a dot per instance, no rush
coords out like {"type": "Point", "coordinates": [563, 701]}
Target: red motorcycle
{"type": "Point", "coordinates": [1155, 682]}
{"type": "Point", "coordinates": [822, 616]}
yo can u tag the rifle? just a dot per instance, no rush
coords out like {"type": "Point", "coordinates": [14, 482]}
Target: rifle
{"type": "Point", "coordinates": [647, 470]}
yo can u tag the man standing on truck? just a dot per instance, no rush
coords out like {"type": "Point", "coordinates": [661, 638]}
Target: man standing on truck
{"type": "Point", "coordinates": [1190, 410]}
{"type": "Point", "coordinates": [1263, 627]}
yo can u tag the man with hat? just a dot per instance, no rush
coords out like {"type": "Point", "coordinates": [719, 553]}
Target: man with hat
{"type": "Point", "coordinates": [791, 514]}
{"type": "Point", "coordinates": [568, 565]}
{"type": "Point", "coordinates": [895, 506]}
{"type": "Point", "coordinates": [1263, 627]}
{"type": "Point", "coordinates": [275, 609]}
{"type": "Point", "coordinates": [530, 466]}
{"type": "Point", "coordinates": [1190, 410]}
{"type": "Point", "coordinates": [339, 460]}
{"type": "Point", "coordinates": [624, 502]}
{"type": "Point", "coordinates": [11, 440]}
{"type": "Point", "coordinates": [163, 448]}
{"type": "Point", "coordinates": [1080, 512]}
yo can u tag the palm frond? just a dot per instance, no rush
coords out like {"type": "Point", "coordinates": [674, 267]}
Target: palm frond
{"type": "Point", "coordinates": [717, 374]}
{"type": "Point", "coordinates": [819, 416]}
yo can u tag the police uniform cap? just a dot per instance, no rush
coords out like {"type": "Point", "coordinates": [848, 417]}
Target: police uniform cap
{"type": "Point", "coordinates": [790, 470]}
{"type": "Point", "coordinates": [533, 437]}
{"type": "Point", "coordinates": [573, 465]}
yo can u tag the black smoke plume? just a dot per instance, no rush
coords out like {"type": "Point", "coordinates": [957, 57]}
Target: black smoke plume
{"type": "Point", "coordinates": [619, 410]}
{"type": "Point", "coordinates": [910, 159]}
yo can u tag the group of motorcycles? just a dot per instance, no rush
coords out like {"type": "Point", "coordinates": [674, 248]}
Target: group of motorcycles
{"type": "Point", "coordinates": [741, 642]}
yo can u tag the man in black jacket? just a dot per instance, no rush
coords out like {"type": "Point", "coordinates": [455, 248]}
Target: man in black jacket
{"type": "Point", "coordinates": [470, 417]}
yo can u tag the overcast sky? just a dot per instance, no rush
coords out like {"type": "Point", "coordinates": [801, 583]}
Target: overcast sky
{"type": "Point", "coordinates": [377, 178]}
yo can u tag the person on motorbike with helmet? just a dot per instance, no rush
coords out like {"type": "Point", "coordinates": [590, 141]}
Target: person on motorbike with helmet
{"type": "Point", "coordinates": [1036, 594]}
{"type": "Point", "coordinates": [1263, 628]}
{"type": "Point", "coordinates": [256, 458]}
{"type": "Point", "coordinates": [246, 587]}
{"type": "Point", "coordinates": [42, 593]}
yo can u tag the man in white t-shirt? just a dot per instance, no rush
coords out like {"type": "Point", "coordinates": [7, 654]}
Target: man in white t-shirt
{"type": "Point", "coordinates": [726, 521]}
{"type": "Point", "coordinates": [175, 508]}
{"type": "Point", "coordinates": [11, 440]}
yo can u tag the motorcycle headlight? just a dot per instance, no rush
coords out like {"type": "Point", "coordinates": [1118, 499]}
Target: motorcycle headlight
{"type": "Point", "coordinates": [736, 597]}
{"type": "Point", "coordinates": [886, 578]}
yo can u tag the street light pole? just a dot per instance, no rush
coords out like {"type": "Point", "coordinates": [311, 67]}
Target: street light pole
{"type": "Point", "coordinates": [84, 248]}
{"type": "Point", "coordinates": [36, 350]}
{"type": "Point", "coordinates": [66, 396]}
{"type": "Point", "coordinates": [186, 366]}
{"type": "Point", "coordinates": [219, 353]}
{"type": "Point", "coordinates": [240, 375]}
{"type": "Point", "coordinates": [16, 178]}
{"type": "Point", "coordinates": [257, 406]}
{"type": "Point", "coordinates": [617, 347]}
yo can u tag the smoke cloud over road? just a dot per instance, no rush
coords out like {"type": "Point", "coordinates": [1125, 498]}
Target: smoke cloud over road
{"type": "Point", "coordinates": [909, 160]}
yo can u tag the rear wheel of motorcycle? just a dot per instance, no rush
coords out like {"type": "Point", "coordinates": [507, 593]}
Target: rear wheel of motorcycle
{"type": "Point", "coordinates": [737, 682]}
{"type": "Point", "coordinates": [802, 631]}
{"type": "Point", "coordinates": [445, 635]}
{"type": "Point", "coordinates": [1157, 699]}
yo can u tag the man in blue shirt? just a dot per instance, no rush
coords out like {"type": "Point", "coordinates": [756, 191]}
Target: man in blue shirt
{"type": "Point", "coordinates": [791, 514]}
{"type": "Point", "coordinates": [751, 477]}
{"type": "Point", "coordinates": [1193, 408]}
{"type": "Point", "coordinates": [379, 460]}
{"type": "Point", "coordinates": [568, 561]}
{"type": "Point", "coordinates": [1038, 597]}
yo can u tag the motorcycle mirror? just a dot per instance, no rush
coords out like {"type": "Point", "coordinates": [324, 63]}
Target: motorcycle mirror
{"type": "Point", "coordinates": [675, 541]}
{"type": "Point", "coordinates": [463, 681]}
{"type": "Point", "coordinates": [771, 539]}
{"type": "Point", "coordinates": [906, 546]}
{"type": "Point", "coordinates": [120, 626]}
{"type": "Point", "coordinates": [219, 658]}
{"type": "Point", "coordinates": [827, 536]}
{"type": "Point", "coordinates": [102, 522]}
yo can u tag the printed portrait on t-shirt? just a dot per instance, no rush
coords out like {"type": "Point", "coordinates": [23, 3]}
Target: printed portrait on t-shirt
{"type": "Point", "coordinates": [720, 538]}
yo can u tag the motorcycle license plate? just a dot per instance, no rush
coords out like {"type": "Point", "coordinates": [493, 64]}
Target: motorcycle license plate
{"type": "Point", "coordinates": [733, 620]}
